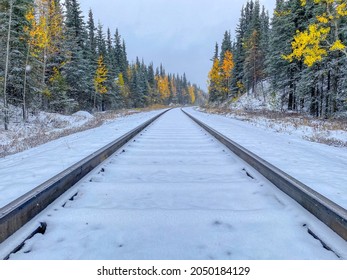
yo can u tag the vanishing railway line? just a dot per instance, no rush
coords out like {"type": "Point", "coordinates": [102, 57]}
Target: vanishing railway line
{"type": "Point", "coordinates": [169, 183]}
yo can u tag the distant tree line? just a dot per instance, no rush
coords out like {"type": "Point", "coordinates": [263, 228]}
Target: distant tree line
{"type": "Point", "coordinates": [52, 59]}
{"type": "Point", "coordinates": [301, 57]}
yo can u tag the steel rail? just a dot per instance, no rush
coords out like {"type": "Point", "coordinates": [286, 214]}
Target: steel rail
{"type": "Point", "coordinates": [17, 213]}
{"type": "Point", "coordinates": [330, 213]}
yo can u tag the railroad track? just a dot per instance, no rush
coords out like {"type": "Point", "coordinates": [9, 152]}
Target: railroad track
{"type": "Point", "coordinates": [17, 213]}
{"type": "Point", "coordinates": [176, 167]}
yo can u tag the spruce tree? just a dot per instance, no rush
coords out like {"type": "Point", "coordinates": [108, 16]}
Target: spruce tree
{"type": "Point", "coordinates": [91, 29]}
{"type": "Point", "coordinates": [13, 49]}
{"type": "Point", "coordinates": [226, 46]}
{"type": "Point", "coordinates": [78, 72]}
{"type": "Point", "coordinates": [237, 86]}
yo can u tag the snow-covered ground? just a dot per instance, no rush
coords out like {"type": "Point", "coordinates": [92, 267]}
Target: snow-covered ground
{"type": "Point", "coordinates": [319, 166]}
{"type": "Point", "coordinates": [173, 193]}
{"type": "Point", "coordinates": [264, 111]}
{"type": "Point", "coordinates": [330, 132]}
{"type": "Point", "coordinates": [44, 127]}
{"type": "Point", "coordinates": [23, 171]}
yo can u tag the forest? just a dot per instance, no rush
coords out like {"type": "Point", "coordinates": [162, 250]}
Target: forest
{"type": "Point", "coordinates": [298, 58]}
{"type": "Point", "coordinates": [54, 60]}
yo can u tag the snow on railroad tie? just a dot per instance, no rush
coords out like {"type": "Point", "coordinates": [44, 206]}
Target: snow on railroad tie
{"type": "Point", "coordinates": [174, 192]}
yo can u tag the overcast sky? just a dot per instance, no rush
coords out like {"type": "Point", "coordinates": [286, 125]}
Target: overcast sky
{"type": "Point", "coordinates": [181, 34]}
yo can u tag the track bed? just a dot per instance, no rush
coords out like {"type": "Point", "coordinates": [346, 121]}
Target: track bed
{"type": "Point", "coordinates": [174, 192]}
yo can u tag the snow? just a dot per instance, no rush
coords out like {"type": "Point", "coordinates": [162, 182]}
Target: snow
{"type": "Point", "coordinates": [321, 167]}
{"type": "Point", "coordinates": [28, 68]}
{"type": "Point", "coordinates": [39, 128]}
{"type": "Point", "coordinates": [84, 114]}
{"type": "Point", "coordinates": [266, 111]}
{"type": "Point", "coordinates": [23, 171]}
{"type": "Point", "coordinates": [173, 193]}
{"type": "Point", "coordinates": [307, 129]}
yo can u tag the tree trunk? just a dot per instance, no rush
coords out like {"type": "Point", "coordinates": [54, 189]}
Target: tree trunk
{"type": "Point", "coordinates": [26, 70]}
{"type": "Point", "coordinates": [6, 109]}
{"type": "Point", "coordinates": [94, 105]}
{"type": "Point", "coordinates": [327, 97]}
{"type": "Point", "coordinates": [42, 103]}
{"type": "Point", "coordinates": [291, 97]}
{"type": "Point", "coordinates": [313, 102]}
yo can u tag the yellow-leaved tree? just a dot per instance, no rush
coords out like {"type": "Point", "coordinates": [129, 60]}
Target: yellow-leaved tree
{"type": "Point", "coordinates": [214, 81]}
{"type": "Point", "coordinates": [322, 36]}
{"type": "Point", "coordinates": [163, 86]}
{"type": "Point", "coordinates": [44, 31]}
{"type": "Point", "coordinates": [191, 92]}
{"type": "Point", "coordinates": [44, 36]}
{"type": "Point", "coordinates": [226, 72]}
{"type": "Point", "coordinates": [100, 78]}
{"type": "Point", "coordinates": [123, 88]}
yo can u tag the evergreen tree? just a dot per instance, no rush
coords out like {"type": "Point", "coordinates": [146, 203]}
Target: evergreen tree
{"type": "Point", "coordinates": [60, 63]}
{"type": "Point", "coordinates": [77, 70]}
{"type": "Point", "coordinates": [91, 29]}
{"type": "Point", "coordinates": [311, 82]}
{"type": "Point", "coordinates": [124, 64]}
{"type": "Point", "coordinates": [216, 53]}
{"type": "Point", "coordinates": [226, 46]}
{"type": "Point", "coordinates": [255, 47]}
{"type": "Point", "coordinates": [100, 79]}
{"type": "Point", "coordinates": [237, 86]}
{"type": "Point", "coordinates": [12, 48]}
{"type": "Point", "coordinates": [118, 54]}
{"type": "Point", "coordinates": [101, 41]}
{"type": "Point", "coordinates": [283, 75]}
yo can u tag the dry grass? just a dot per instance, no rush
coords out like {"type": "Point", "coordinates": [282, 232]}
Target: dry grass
{"type": "Point", "coordinates": [320, 127]}
{"type": "Point", "coordinates": [328, 141]}
{"type": "Point", "coordinates": [22, 142]}
{"type": "Point", "coordinates": [294, 118]}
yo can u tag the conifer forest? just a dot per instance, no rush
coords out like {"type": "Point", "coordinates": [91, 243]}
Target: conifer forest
{"type": "Point", "coordinates": [298, 55]}
{"type": "Point", "coordinates": [56, 60]}
{"type": "Point", "coordinates": [53, 59]}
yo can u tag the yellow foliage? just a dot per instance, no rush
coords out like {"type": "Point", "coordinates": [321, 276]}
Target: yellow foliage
{"type": "Point", "coordinates": [335, 8]}
{"type": "Point", "coordinates": [122, 86]}
{"type": "Point", "coordinates": [46, 92]}
{"type": "Point", "coordinates": [100, 76]}
{"type": "Point", "coordinates": [43, 32]}
{"type": "Point", "coordinates": [313, 44]}
{"type": "Point", "coordinates": [241, 87]}
{"type": "Point", "coordinates": [341, 9]}
{"type": "Point", "coordinates": [55, 27]}
{"type": "Point", "coordinates": [36, 32]}
{"type": "Point", "coordinates": [191, 92]}
{"type": "Point", "coordinates": [282, 13]}
{"type": "Point", "coordinates": [120, 81]}
{"type": "Point", "coordinates": [55, 76]}
{"type": "Point", "coordinates": [228, 64]}
{"type": "Point", "coordinates": [214, 75]}
{"type": "Point", "coordinates": [163, 86]}
{"type": "Point", "coordinates": [337, 46]}
{"type": "Point", "coordinates": [226, 72]}
{"type": "Point", "coordinates": [323, 18]}
{"type": "Point", "coordinates": [307, 45]}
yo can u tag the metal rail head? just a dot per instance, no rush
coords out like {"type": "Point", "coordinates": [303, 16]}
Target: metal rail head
{"type": "Point", "coordinates": [17, 213]}
{"type": "Point", "coordinates": [333, 215]}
